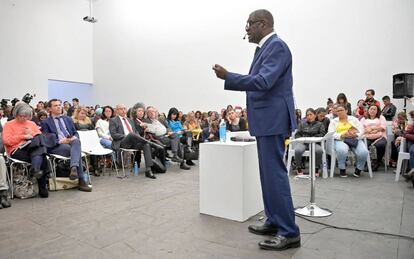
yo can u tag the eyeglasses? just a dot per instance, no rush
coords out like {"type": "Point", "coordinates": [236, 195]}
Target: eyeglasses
{"type": "Point", "coordinates": [340, 110]}
{"type": "Point", "coordinates": [250, 23]}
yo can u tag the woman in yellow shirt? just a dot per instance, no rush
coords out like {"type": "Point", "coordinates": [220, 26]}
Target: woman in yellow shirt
{"type": "Point", "coordinates": [348, 132]}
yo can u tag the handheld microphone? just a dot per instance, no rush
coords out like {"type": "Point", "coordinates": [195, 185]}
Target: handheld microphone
{"type": "Point", "coordinates": [244, 36]}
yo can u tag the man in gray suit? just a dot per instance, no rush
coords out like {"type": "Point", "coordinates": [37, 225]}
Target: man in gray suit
{"type": "Point", "coordinates": [124, 135]}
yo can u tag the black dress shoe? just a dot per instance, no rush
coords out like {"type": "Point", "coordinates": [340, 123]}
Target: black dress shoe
{"type": "Point", "coordinates": [73, 173]}
{"type": "Point", "coordinates": [5, 202]}
{"type": "Point", "coordinates": [149, 174]}
{"type": "Point", "coordinates": [43, 192]}
{"type": "Point", "coordinates": [190, 163]}
{"type": "Point", "coordinates": [280, 243]}
{"type": "Point", "coordinates": [184, 166]}
{"type": "Point", "coordinates": [176, 159]}
{"type": "Point", "coordinates": [264, 229]}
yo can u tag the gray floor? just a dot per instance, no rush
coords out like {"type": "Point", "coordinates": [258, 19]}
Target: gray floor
{"type": "Point", "coordinates": [143, 218]}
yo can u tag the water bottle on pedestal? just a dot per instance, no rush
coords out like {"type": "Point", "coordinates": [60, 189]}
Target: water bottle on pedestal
{"type": "Point", "coordinates": [222, 131]}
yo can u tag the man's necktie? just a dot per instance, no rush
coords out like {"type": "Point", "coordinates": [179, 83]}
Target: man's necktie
{"type": "Point", "coordinates": [127, 125]}
{"type": "Point", "coordinates": [62, 128]}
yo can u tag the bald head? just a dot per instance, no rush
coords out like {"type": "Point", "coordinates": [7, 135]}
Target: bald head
{"type": "Point", "coordinates": [259, 24]}
{"type": "Point", "coordinates": [263, 14]}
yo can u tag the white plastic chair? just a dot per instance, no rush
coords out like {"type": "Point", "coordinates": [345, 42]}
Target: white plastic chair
{"type": "Point", "coordinates": [128, 150]}
{"type": "Point", "coordinates": [402, 155]}
{"type": "Point", "coordinates": [390, 138]}
{"type": "Point", "coordinates": [330, 148]}
{"type": "Point", "coordinates": [56, 157]}
{"type": "Point", "coordinates": [291, 154]}
{"type": "Point", "coordinates": [91, 145]}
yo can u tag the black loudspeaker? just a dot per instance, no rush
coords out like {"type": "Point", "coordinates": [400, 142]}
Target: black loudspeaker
{"type": "Point", "coordinates": [403, 85]}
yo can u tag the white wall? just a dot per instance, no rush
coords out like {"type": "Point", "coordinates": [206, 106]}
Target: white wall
{"type": "Point", "coordinates": [161, 52]}
{"type": "Point", "coordinates": [41, 40]}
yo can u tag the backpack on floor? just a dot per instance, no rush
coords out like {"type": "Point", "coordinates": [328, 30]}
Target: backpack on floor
{"type": "Point", "coordinates": [158, 167]}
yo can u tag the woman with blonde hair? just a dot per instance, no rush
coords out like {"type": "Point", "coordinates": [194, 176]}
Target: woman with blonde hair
{"type": "Point", "coordinates": [193, 125]}
{"type": "Point", "coordinates": [81, 120]}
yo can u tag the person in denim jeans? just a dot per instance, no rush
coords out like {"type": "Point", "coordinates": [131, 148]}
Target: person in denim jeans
{"type": "Point", "coordinates": [347, 133]}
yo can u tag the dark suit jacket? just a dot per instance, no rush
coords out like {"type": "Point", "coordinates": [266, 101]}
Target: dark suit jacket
{"type": "Point", "coordinates": [117, 131]}
{"type": "Point", "coordinates": [268, 87]}
{"type": "Point", "coordinates": [48, 127]}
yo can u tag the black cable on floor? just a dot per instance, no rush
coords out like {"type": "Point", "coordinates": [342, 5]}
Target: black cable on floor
{"type": "Point", "coordinates": [353, 229]}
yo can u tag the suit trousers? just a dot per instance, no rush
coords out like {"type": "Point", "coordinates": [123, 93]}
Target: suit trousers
{"type": "Point", "coordinates": [38, 162]}
{"type": "Point", "coordinates": [276, 193]}
{"type": "Point", "coordinates": [133, 141]}
{"type": "Point", "coordinates": [72, 150]}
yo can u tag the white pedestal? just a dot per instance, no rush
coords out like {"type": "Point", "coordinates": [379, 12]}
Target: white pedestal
{"type": "Point", "coordinates": [230, 180]}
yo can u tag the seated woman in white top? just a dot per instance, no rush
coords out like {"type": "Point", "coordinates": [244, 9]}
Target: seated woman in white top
{"type": "Point", "coordinates": [102, 127]}
{"type": "Point", "coordinates": [375, 127]}
{"type": "Point", "coordinates": [348, 132]}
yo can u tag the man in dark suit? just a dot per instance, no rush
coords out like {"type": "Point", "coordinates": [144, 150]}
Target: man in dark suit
{"type": "Point", "coordinates": [271, 113]}
{"type": "Point", "coordinates": [68, 143]}
{"type": "Point", "coordinates": [125, 135]}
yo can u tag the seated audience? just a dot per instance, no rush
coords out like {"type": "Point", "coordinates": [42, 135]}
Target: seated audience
{"type": "Point", "coordinates": [321, 117]}
{"type": "Point", "coordinates": [97, 116]}
{"type": "Point", "coordinates": [244, 116]}
{"type": "Point", "coordinates": [214, 117]}
{"type": "Point", "coordinates": [125, 135]}
{"type": "Point", "coordinates": [332, 113]}
{"type": "Point", "coordinates": [298, 116]}
{"type": "Point", "coordinates": [389, 109]}
{"type": "Point", "coordinates": [4, 187]}
{"type": "Point", "coordinates": [360, 109]}
{"type": "Point", "coordinates": [204, 120]}
{"type": "Point", "coordinates": [398, 129]}
{"type": "Point", "coordinates": [3, 117]}
{"type": "Point", "coordinates": [41, 116]}
{"type": "Point", "coordinates": [310, 128]}
{"type": "Point", "coordinates": [81, 120]}
{"type": "Point", "coordinates": [369, 100]}
{"type": "Point", "coordinates": [166, 134]}
{"type": "Point", "coordinates": [341, 99]}
{"type": "Point", "coordinates": [192, 125]}
{"type": "Point", "coordinates": [66, 106]}
{"type": "Point", "coordinates": [67, 142]}
{"type": "Point", "coordinates": [235, 123]}
{"type": "Point", "coordinates": [71, 110]}
{"type": "Point", "coordinates": [40, 106]}
{"type": "Point", "coordinates": [24, 141]}
{"type": "Point", "coordinates": [211, 133]}
{"type": "Point", "coordinates": [375, 127]}
{"type": "Point", "coordinates": [347, 133]}
{"type": "Point", "coordinates": [102, 127]}
{"type": "Point", "coordinates": [409, 135]}
{"type": "Point", "coordinates": [329, 105]}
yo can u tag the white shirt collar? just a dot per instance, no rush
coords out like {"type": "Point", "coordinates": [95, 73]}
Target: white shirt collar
{"type": "Point", "coordinates": [262, 41]}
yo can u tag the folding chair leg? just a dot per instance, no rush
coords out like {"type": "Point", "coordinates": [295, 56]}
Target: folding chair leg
{"type": "Point", "coordinates": [122, 162]}
{"type": "Point", "coordinates": [114, 162]}
{"type": "Point", "coordinates": [53, 172]}
{"type": "Point", "coordinates": [333, 161]}
{"type": "Point", "coordinates": [87, 170]}
{"type": "Point", "coordinates": [399, 166]}
{"type": "Point", "coordinates": [11, 180]}
{"type": "Point", "coordinates": [289, 164]}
